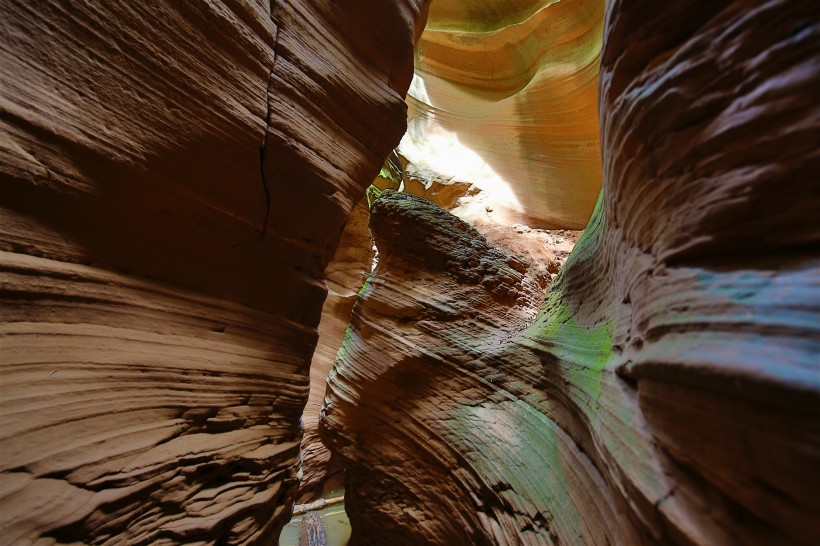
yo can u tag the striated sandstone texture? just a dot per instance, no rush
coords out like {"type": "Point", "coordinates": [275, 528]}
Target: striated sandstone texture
{"type": "Point", "coordinates": [345, 274]}
{"type": "Point", "coordinates": [667, 388]}
{"type": "Point", "coordinates": [440, 295]}
{"type": "Point", "coordinates": [175, 177]}
{"type": "Point", "coordinates": [348, 271]}
{"type": "Point", "coordinates": [504, 96]}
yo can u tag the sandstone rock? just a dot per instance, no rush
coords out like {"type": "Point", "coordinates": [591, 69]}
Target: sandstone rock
{"type": "Point", "coordinates": [345, 274]}
{"type": "Point", "coordinates": [348, 272]}
{"type": "Point", "coordinates": [175, 177]}
{"type": "Point", "coordinates": [441, 299]}
{"type": "Point", "coordinates": [666, 390]}
{"type": "Point", "coordinates": [504, 97]}
{"type": "Point", "coordinates": [444, 191]}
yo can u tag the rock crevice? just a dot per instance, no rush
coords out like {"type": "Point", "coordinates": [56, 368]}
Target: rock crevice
{"type": "Point", "coordinates": [263, 146]}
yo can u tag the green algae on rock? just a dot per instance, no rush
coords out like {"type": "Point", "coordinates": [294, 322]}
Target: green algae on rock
{"type": "Point", "coordinates": [666, 389]}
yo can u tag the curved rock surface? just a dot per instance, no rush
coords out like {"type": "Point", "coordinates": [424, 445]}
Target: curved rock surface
{"type": "Point", "coordinates": [440, 296]}
{"type": "Point", "coordinates": [345, 274]}
{"type": "Point", "coordinates": [667, 389]}
{"type": "Point", "coordinates": [175, 177]}
{"type": "Point", "coordinates": [504, 97]}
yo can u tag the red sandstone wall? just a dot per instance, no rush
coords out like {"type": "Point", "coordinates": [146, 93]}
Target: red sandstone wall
{"type": "Point", "coordinates": [175, 177]}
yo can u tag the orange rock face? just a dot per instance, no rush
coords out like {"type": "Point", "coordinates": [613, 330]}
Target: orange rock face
{"type": "Point", "coordinates": [666, 389]}
{"type": "Point", "coordinates": [175, 177]}
{"type": "Point", "coordinates": [504, 96]}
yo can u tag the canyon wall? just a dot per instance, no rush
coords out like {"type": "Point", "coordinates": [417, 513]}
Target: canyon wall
{"type": "Point", "coordinates": [346, 274]}
{"type": "Point", "coordinates": [666, 390]}
{"type": "Point", "coordinates": [175, 177]}
{"type": "Point", "coordinates": [504, 96]}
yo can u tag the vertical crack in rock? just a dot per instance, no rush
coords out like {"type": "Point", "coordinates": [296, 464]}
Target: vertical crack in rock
{"type": "Point", "coordinates": [151, 385]}
{"type": "Point", "coordinates": [263, 146]}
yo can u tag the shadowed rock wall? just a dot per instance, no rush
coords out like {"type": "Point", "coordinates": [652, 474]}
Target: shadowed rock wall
{"type": "Point", "coordinates": [667, 388]}
{"type": "Point", "coordinates": [346, 274]}
{"type": "Point", "coordinates": [175, 177]}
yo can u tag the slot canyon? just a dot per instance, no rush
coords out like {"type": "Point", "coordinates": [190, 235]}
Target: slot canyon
{"type": "Point", "coordinates": [462, 272]}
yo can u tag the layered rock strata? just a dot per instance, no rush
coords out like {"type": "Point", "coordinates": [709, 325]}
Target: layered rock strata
{"type": "Point", "coordinates": [667, 388]}
{"type": "Point", "coordinates": [175, 177]}
{"type": "Point", "coordinates": [504, 96]}
{"type": "Point", "coordinates": [440, 297]}
{"type": "Point", "coordinates": [345, 274]}
{"type": "Point", "coordinates": [350, 268]}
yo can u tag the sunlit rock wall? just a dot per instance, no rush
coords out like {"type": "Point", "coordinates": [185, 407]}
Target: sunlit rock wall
{"type": "Point", "coordinates": [175, 177]}
{"type": "Point", "coordinates": [667, 388]}
{"type": "Point", "coordinates": [505, 97]}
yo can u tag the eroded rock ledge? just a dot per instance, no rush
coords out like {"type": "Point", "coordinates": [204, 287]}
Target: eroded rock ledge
{"type": "Point", "coordinates": [667, 389]}
{"type": "Point", "coordinates": [424, 343]}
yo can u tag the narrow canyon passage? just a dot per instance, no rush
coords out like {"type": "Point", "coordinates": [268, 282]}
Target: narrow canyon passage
{"type": "Point", "coordinates": [542, 252]}
{"type": "Point", "coordinates": [468, 410]}
{"type": "Point", "coordinates": [591, 315]}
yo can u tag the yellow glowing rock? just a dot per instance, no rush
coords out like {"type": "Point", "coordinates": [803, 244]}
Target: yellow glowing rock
{"type": "Point", "coordinates": [505, 95]}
